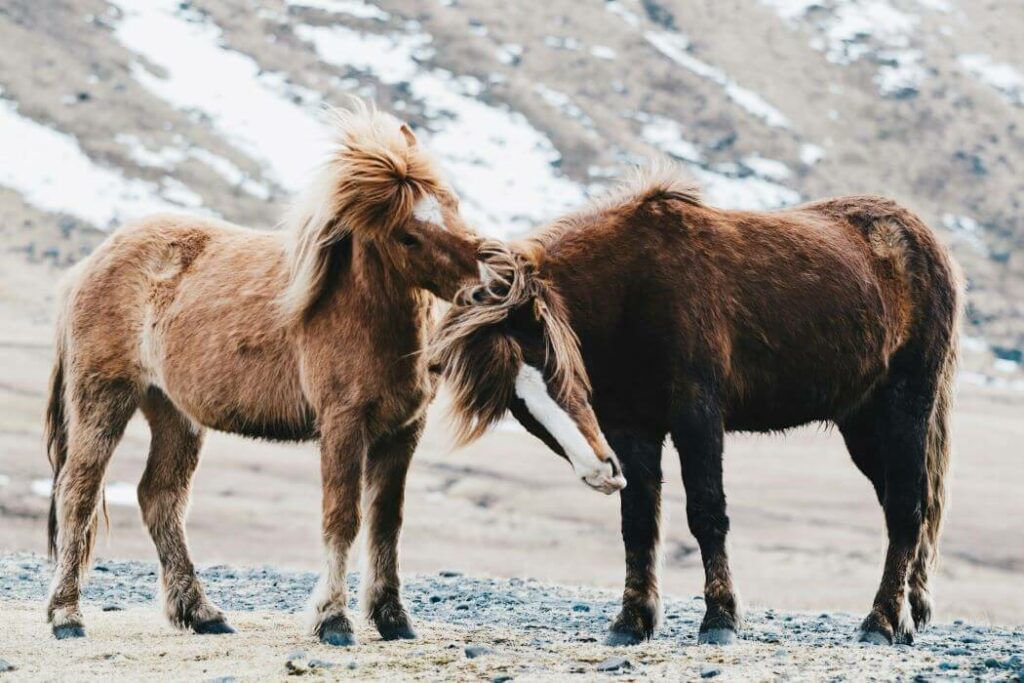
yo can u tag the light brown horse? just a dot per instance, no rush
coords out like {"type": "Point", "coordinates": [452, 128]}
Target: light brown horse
{"type": "Point", "coordinates": [694, 321]}
{"type": "Point", "coordinates": [314, 332]}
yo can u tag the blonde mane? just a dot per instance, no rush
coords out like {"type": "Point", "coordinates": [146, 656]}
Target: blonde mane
{"type": "Point", "coordinates": [475, 353]}
{"type": "Point", "coordinates": [367, 186]}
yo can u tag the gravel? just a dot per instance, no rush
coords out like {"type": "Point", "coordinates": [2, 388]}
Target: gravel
{"type": "Point", "coordinates": [544, 615]}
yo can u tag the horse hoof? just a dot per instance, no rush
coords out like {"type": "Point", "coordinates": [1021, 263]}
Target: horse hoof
{"type": "Point", "coordinates": [717, 636]}
{"type": "Point", "coordinates": [873, 638]}
{"type": "Point", "coordinates": [63, 632]}
{"type": "Point", "coordinates": [338, 638]}
{"type": "Point", "coordinates": [622, 639]}
{"type": "Point", "coordinates": [397, 632]}
{"type": "Point", "coordinates": [213, 627]}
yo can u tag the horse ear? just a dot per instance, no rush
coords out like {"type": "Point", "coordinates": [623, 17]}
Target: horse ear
{"type": "Point", "coordinates": [410, 137]}
{"type": "Point", "coordinates": [540, 309]}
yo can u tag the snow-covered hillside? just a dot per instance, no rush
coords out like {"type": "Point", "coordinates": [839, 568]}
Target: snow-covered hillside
{"type": "Point", "coordinates": [113, 109]}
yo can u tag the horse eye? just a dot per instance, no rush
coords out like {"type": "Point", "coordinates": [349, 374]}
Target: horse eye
{"type": "Point", "coordinates": [408, 240]}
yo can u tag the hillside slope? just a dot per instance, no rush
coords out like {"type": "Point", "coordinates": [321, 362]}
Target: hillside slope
{"type": "Point", "coordinates": [113, 109]}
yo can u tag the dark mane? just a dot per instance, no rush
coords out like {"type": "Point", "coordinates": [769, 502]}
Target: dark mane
{"type": "Point", "coordinates": [477, 357]}
{"type": "Point", "coordinates": [659, 179]}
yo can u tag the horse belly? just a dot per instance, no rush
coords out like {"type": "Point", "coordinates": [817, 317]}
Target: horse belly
{"type": "Point", "coordinates": [230, 366]}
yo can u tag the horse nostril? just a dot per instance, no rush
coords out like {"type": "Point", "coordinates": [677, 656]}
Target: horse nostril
{"type": "Point", "coordinates": [616, 470]}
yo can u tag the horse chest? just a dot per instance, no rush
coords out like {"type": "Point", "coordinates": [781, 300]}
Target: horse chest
{"type": "Point", "coordinates": [399, 405]}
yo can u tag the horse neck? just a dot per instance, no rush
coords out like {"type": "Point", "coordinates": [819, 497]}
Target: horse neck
{"type": "Point", "coordinates": [390, 303]}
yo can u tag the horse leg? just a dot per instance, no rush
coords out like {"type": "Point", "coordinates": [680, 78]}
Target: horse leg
{"type": "Point", "coordinates": [697, 433]}
{"type": "Point", "coordinates": [386, 466]}
{"type": "Point", "coordinates": [904, 414]}
{"type": "Point", "coordinates": [163, 499]}
{"type": "Point", "coordinates": [343, 450]}
{"type": "Point", "coordinates": [99, 412]}
{"type": "Point", "coordinates": [640, 457]}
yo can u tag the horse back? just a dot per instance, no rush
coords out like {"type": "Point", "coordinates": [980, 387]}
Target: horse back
{"type": "Point", "coordinates": [189, 306]}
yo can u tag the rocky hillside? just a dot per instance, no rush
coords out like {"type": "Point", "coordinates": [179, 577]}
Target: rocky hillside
{"type": "Point", "coordinates": [110, 109]}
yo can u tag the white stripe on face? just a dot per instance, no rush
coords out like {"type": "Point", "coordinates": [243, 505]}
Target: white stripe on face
{"type": "Point", "coordinates": [428, 210]}
{"type": "Point", "coordinates": [530, 387]}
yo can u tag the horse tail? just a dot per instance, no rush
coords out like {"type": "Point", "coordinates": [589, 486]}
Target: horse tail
{"type": "Point", "coordinates": [938, 446]}
{"type": "Point", "coordinates": [56, 431]}
{"type": "Point", "coordinates": [55, 426]}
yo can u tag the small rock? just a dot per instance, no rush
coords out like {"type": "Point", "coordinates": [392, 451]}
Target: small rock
{"type": "Point", "coordinates": [501, 678]}
{"type": "Point", "coordinates": [297, 654]}
{"type": "Point", "coordinates": [436, 598]}
{"type": "Point", "coordinates": [113, 607]}
{"type": "Point", "coordinates": [946, 666]}
{"type": "Point", "coordinates": [708, 671]}
{"type": "Point", "coordinates": [781, 652]}
{"type": "Point", "coordinates": [474, 651]}
{"type": "Point", "coordinates": [296, 667]}
{"type": "Point", "coordinates": [6, 666]}
{"type": "Point", "coordinates": [320, 664]}
{"type": "Point", "coordinates": [352, 665]}
{"type": "Point", "coordinates": [580, 607]}
{"type": "Point", "coordinates": [958, 651]}
{"type": "Point", "coordinates": [615, 664]}
{"type": "Point", "coordinates": [462, 607]}
{"type": "Point", "coordinates": [449, 573]}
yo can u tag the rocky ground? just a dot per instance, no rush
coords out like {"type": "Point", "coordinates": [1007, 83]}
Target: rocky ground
{"type": "Point", "coordinates": [470, 628]}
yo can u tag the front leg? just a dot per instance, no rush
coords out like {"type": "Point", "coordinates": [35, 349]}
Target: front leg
{"type": "Point", "coordinates": [386, 468]}
{"type": "Point", "coordinates": [640, 457]}
{"type": "Point", "coordinates": [698, 435]}
{"type": "Point", "coordinates": [343, 448]}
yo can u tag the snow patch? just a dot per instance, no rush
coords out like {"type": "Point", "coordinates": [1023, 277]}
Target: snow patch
{"type": "Point", "coordinates": [502, 167]}
{"type": "Point", "coordinates": [563, 103]}
{"type": "Point", "coordinates": [168, 158]}
{"type": "Point", "coordinates": [850, 30]}
{"type": "Point", "coordinates": [353, 8]}
{"type": "Point", "coordinates": [811, 154]}
{"type": "Point", "coordinates": [602, 52]}
{"type": "Point", "coordinates": [619, 10]}
{"type": "Point", "coordinates": [667, 135]}
{"type": "Point", "coordinates": [999, 75]}
{"type": "Point", "coordinates": [772, 169]}
{"type": "Point", "coordinates": [967, 230]}
{"type": "Point", "coordinates": [52, 172]}
{"type": "Point", "coordinates": [244, 105]}
{"type": "Point", "coordinates": [675, 46]}
{"type": "Point", "coordinates": [509, 54]}
{"type": "Point", "coordinates": [750, 185]}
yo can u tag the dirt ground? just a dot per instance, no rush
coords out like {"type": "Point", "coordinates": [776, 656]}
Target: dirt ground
{"type": "Point", "coordinates": [137, 644]}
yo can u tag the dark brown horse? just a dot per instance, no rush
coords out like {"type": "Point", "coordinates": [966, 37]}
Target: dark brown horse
{"type": "Point", "coordinates": [312, 332]}
{"type": "Point", "coordinates": [694, 322]}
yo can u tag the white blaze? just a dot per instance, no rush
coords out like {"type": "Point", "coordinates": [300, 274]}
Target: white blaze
{"type": "Point", "coordinates": [530, 387]}
{"type": "Point", "coordinates": [428, 210]}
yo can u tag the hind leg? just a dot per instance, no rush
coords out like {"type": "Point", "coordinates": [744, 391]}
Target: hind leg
{"type": "Point", "coordinates": [163, 499]}
{"type": "Point", "coordinates": [640, 502]}
{"type": "Point", "coordinates": [898, 425]}
{"type": "Point", "coordinates": [98, 414]}
{"type": "Point", "coordinates": [862, 433]}
{"type": "Point", "coordinates": [386, 466]}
